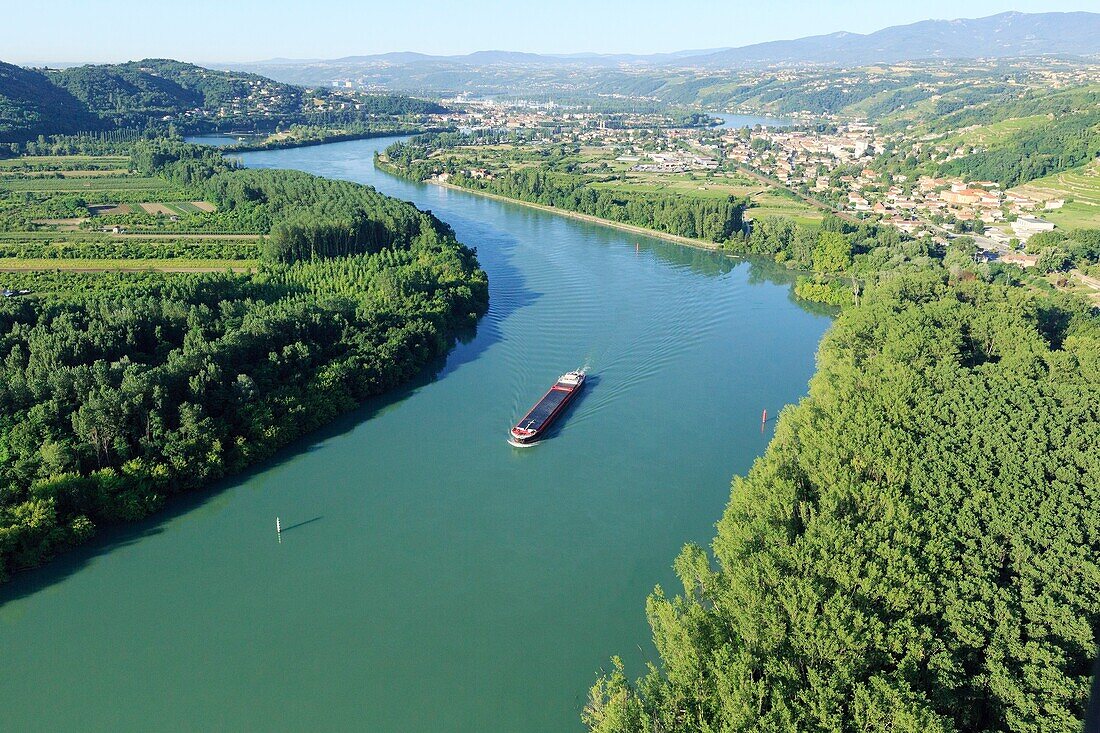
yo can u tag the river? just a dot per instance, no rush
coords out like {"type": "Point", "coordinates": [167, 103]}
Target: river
{"type": "Point", "coordinates": [430, 577]}
{"type": "Point", "coordinates": [732, 120]}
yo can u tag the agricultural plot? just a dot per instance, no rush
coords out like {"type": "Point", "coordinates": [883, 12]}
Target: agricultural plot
{"type": "Point", "coordinates": [1079, 187]}
{"type": "Point", "coordinates": [20, 264]}
{"type": "Point", "coordinates": [64, 162]}
{"type": "Point", "coordinates": [111, 248]}
{"type": "Point", "coordinates": [97, 173]}
{"type": "Point", "coordinates": [599, 163]}
{"type": "Point", "coordinates": [765, 200]}
{"type": "Point", "coordinates": [988, 136]}
{"type": "Point", "coordinates": [772, 202]}
{"type": "Point", "coordinates": [79, 244]}
{"type": "Point", "coordinates": [75, 185]}
{"type": "Point", "coordinates": [41, 236]}
{"type": "Point", "coordinates": [165, 208]}
{"type": "Point", "coordinates": [113, 209]}
{"type": "Point", "coordinates": [157, 208]}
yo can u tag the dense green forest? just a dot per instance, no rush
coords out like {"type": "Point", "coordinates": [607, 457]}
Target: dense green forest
{"type": "Point", "coordinates": [120, 390]}
{"type": "Point", "coordinates": [918, 548]}
{"type": "Point", "coordinates": [1061, 144]}
{"type": "Point", "coordinates": [154, 92]}
{"type": "Point", "coordinates": [837, 246]}
{"type": "Point", "coordinates": [30, 105]}
{"type": "Point", "coordinates": [712, 219]}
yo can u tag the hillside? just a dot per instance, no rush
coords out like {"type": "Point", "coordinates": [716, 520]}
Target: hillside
{"type": "Point", "coordinates": [30, 106]}
{"type": "Point", "coordinates": [155, 91]}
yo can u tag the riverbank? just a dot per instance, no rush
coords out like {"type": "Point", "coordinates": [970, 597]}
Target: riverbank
{"type": "Point", "coordinates": [632, 228]}
{"type": "Point", "coordinates": [806, 289]}
{"type": "Point", "coordinates": [383, 164]}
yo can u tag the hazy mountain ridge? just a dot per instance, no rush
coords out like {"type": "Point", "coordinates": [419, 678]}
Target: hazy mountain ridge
{"type": "Point", "coordinates": [997, 36]}
{"type": "Point", "coordinates": [1004, 35]}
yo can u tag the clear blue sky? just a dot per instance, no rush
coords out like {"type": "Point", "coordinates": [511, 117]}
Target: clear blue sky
{"type": "Point", "coordinates": [228, 30]}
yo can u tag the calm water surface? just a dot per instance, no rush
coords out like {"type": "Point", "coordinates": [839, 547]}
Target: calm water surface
{"type": "Point", "coordinates": [220, 141]}
{"type": "Point", "coordinates": [729, 120]}
{"type": "Point", "coordinates": [432, 577]}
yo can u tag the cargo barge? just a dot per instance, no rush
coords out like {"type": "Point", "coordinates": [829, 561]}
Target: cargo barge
{"type": "Point", "coordinates": [528, 430]}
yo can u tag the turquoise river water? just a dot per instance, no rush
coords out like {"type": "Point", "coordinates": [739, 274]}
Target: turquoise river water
{"type": "Point", "coordinates": [430, 576]}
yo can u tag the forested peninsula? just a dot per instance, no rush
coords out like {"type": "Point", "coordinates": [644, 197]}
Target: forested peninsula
{"type": "Point", "coordinates": [917, 550]}
{"type": "Point", "coordinates": [122, 389]}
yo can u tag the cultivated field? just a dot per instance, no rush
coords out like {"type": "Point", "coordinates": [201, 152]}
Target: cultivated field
{"type": "Point", "coordinates": [13, 264]}
{"type": "Point", "coordinates": [74, 185]}
{"type": "Point", "coordinates": [1080, 188]}
{"type": "Point", "coordinates": [64, 162]}
{"type": "Point", "coordinates": [988, 136]}
{"type": "Point", "coordinates": [146, 239]}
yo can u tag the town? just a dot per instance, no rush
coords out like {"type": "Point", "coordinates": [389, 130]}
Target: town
{"type": "Point", "coordinates": [832, 164]}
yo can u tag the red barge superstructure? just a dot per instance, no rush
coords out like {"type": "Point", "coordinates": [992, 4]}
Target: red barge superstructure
{"type": "Point", "coordinates": [549, 408]}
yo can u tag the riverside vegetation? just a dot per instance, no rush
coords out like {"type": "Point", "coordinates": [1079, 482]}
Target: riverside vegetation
{"type": "Point", "coordinates": [121, 389]}
{"type": "Point", "coordinates": [842, 256]}
{"type": "Point", "coordinates": [916, 550]}
{"type": "Point", "coordinates": [712, 219]}
{"type": "Point", "coordinates": [836, 250]}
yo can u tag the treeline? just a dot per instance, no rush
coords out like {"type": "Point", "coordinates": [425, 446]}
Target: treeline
{"type": "Point", "coordinates": [916, 551]}
{"type": "Point", "coordinates": [1060, 251]}
{"type": "Point", "coordinates": [835, 246]}
{"type": "Point", "coordinates": [846, 256]}
{"type": "Point", "coordinates": [712, 219]}
{"type": "Point", "coordinates": [120, 390]}
{"type": "Point", "coordinates": [131, 249]}
{"type": "Point", "coordinates": [1061, 144]}
{"type": "Point", "coordinates": [117, 141]}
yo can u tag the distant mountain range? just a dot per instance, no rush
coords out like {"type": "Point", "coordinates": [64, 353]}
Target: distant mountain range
{"type": "Point", "coordinates": [998, 36]}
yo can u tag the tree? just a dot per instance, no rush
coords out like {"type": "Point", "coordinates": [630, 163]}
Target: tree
{"type": "Point", "coordinates": [913, 551]}
{"type": "Point", "coordinates": [833, 252]}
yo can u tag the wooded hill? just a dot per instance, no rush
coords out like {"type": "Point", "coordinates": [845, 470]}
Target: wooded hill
{"type": "Point", "coordinates": [159, 91]}
{"type": "Point", "coordinates": [31, 105]}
